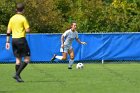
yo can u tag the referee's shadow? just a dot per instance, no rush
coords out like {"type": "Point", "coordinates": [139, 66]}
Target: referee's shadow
{"type": "Point", "coordinates": [44, 81]}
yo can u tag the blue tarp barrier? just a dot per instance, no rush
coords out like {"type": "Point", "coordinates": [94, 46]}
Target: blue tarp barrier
{"type": "Point", "coordinates": [106, 46]}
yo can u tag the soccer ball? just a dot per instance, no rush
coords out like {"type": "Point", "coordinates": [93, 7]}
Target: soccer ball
{"type": "Point", "coordinates": [80, 66]}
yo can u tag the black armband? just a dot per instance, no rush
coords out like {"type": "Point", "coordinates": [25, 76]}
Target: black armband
{"type": "Point", "coordinates": [8, 38]}
{"type": "Point", "coordinates": [8, 34]}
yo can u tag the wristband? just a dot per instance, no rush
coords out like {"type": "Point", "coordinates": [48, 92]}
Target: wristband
{"type": "Point", "coordinates": [8, 34]}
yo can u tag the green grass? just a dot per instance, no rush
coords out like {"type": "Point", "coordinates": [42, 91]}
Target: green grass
{"type": "Point", "coordinates": [56, 78]}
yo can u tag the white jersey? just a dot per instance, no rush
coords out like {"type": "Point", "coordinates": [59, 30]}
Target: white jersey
{"type": "Point", "coordinates": [69, 37]}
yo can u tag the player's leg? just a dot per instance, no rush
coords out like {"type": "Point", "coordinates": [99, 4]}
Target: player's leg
{"type": "Point", "coordinates": [64, 54]}
{"type": "Point", "coordinates": [63, 57]}
{"type": "Point", "coordinates": [71, 61]}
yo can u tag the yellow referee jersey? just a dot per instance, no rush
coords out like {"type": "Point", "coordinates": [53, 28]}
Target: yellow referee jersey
{"type": "Point", "coordinates": [18, 23]}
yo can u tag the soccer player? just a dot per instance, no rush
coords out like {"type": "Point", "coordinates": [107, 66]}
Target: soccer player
{"type": "Point", "coordinates": [66, 45]}
{"type": "Point", "coordinates": [18, 26]}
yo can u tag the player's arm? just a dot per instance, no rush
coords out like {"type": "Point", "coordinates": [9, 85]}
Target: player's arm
{"type": "Point", "coordinates": [79, 41]}
{"type": "Point", "coordinates": [63, 37]}
{"type": "Point", "coordinates": [62, 41]}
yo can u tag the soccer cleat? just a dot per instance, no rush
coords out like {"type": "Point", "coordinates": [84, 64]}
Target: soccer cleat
{"type": "Point", "coordinates": [69, 67]}
{"type": "Point", "coordinates": [18, 78]}
{"type": "Point", "coordinates": [53, 58]}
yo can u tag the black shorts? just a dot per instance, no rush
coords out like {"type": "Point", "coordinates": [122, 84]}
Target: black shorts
{"type": "Point", "coordinates": [20, 47]}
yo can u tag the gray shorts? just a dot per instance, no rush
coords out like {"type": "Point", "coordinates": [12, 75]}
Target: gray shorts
{"type": "Point", "coordinates": [65, 49]}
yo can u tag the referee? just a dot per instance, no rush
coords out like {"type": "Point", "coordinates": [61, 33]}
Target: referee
{"type": "Point", "coordinates": [18, 26]}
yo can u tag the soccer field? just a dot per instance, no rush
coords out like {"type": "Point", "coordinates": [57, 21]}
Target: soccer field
{"type": "Point", "coordinates": [56, 78]}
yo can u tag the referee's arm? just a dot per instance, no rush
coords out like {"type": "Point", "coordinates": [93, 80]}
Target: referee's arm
{"type": "Point", "coordinates": [8, 39]}
{"type": "Point", "coordinates": [27, 30]}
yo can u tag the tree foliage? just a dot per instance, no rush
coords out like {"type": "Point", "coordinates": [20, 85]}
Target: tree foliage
{"type": "Point", "coordinates": [55, 16]}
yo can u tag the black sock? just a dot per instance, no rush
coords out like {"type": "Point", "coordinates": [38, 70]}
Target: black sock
{"type": "Point", "coordinates": [22, 66]}
{"type": "Point", "coordinates": [17, 67]}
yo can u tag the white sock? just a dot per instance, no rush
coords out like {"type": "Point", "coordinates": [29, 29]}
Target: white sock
{"type": "Point", "coordinates": [59, 57]}
{"type": "Point", "coordinates": [71, 63]}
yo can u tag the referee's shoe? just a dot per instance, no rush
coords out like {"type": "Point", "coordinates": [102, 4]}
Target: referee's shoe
{"type": "Point", "coordinates": [18, 78]}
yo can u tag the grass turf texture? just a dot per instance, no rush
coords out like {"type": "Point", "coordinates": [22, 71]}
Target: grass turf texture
{"type": "Point", "coordinates": [56, 78]}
